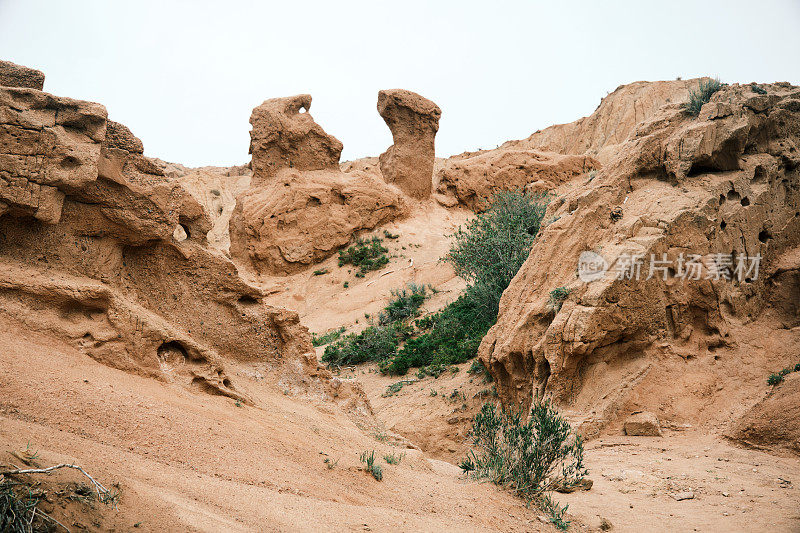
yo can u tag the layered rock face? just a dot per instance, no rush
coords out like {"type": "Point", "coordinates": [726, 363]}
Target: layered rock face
{"type": "Point", "coordinates": [300, 207]}
{"type": "Point", "coordinates": [556, 155]}
{"type": "Point", "coordinates": [414, 121]}
{"type": "Point", "coordinates": [700, 195]}
{"type": "Point", "coordinates": [99, 246]}
{"type": "Point", "coordinates": [472, 179]}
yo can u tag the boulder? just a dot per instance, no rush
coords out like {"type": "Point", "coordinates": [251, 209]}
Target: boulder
{"type": "Point", "coordinates": [13, 75]}
{"type": "Point", "coordinates": [643, 424]}
{"type": "Point", "coordinates": [284, 135]}
{"type": "Point", "coordinates": [414, 121]}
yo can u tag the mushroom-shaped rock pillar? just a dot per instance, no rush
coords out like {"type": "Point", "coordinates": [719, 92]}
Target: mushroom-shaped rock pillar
{"type": "Point", "coordinates": [414, 121]}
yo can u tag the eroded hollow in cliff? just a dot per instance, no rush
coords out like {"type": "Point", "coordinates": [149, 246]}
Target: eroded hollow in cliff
{"type": "Point", "coordinates": [172, 352]}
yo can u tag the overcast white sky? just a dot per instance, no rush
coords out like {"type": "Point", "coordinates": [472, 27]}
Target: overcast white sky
{"type": "Point", "coordinates": [184, 76]}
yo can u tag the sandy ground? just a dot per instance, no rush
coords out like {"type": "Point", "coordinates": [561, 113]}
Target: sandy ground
{"type": "Point", "coordinates": [193, 462]}
{"type": "Point", "coordinates": [734, 488]}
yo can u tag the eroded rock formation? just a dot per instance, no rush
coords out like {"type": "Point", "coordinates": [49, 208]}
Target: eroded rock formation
{"type": "Point", "coordinates": [300, 207]}
{"type": "Point", "coordinates": [615, 119]}
{"type": "Point", "coordinates": [99, 246]}
{"type": "Point", "coordinates": [721, 188]}
{"type": "Point", "coordinates": [775, 421]}
{"type": "Point", "coordinates": [13, 75]}
{"type": "Point", "coordinates": [414, 121]}
{"type": "Point", "coordinates": [472, 180]}
{"type": "Point", "coordinates": [284, 135]}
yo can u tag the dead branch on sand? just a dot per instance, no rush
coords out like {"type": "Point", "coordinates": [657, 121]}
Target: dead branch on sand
{"type": "Point", "coordinates": [103, 493]}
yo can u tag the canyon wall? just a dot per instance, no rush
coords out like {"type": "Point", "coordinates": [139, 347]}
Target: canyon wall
{"type": "Point", "coordinates": [704, 194]}
{"type": "Point", "coordinates": [99, 246]}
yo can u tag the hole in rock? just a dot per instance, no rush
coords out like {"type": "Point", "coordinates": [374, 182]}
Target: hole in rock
{"type": "Point", "coordinates": [70, 162]}
{"type": "Point", "coordinates": [246, 299]}
{"type": "Point", "coordinates": [733, 195]}
{"type": "Point", "coordinates": [172, 352]}
{"type": "Point", "coordinates": [723, 225]}
{"type": "Point", "coordinates": [745, 201]}
{"type": "Point", "coordinates": [764, 235]}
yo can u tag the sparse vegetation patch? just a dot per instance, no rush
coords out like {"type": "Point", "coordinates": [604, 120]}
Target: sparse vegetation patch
{"type": "Point", "coordinates": [702, 95]}
{"type": "Point", "coordinates": [557, 297]}
{"type": "Point", "coordinates": [404, 304]}
{"type": "Point", "coordinates": [369, 465]}
{"type": "Point", "coordinates": [366, 255]}
{"type": "Point", "coordinates": [327, 337]}
{"type": "Point", "coordinates": [777, 378]}
{"type": "Point", "coordinates": [532, 457]}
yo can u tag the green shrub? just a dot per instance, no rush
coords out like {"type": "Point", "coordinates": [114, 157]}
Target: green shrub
{"type": "Point", "coordinates": [405, 303]}
{"type": "Point", "coordinates": [758, 90]}
{"type": "Point", "coordinates": [702, 95]}
{"type": "Point", "coordinates": [531, 458]}
{"type": "Point", "coordinates": [777, 377]}
{"type": "Point", "coordinates": [774, 379]}
{"type": "Point", "coordinates": [490, 250]}
{"type": "Point", "coordinates": [367, 255]}
{"type": "Point", "coordinates": [320, 272]}
{"type": "Point", "coordinates": [448, 337]}
{"type": "Point", "coordinates": [487, 253]}
{"type": "Point", "coordinates": [557, 297]}
{"type": "Point", "coordinates": [375, 343]}
{"type": "Point", "coordinates": [389, 235]}
{"type": "Point", "coordinates": [327, 337]}
{"type": "Point", "coordinates": [370, 466]}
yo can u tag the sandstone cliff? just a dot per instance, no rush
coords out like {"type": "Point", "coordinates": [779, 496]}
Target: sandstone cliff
{"type": "Point", "coordinates": [719, 190]}
{"type": "Point", "coordinates": [560, 153]}
{"type": "Point", "coordinates": [98, 246]}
